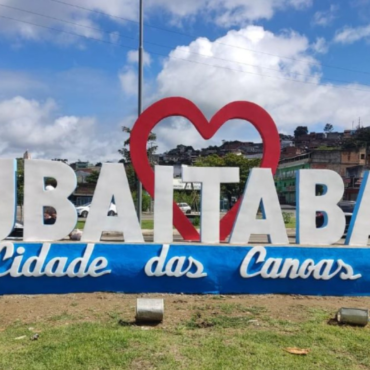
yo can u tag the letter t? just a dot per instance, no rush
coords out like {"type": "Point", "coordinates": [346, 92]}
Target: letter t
{"type": "Point", "coordinates": [211, 179]}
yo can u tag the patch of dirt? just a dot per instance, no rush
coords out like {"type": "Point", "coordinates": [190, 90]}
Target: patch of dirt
{"type": "Point", "coordinates": [68, 308]}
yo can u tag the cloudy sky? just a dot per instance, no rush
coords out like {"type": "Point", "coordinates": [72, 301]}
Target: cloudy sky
{"type": "Point", "coordinates": [68, 69]}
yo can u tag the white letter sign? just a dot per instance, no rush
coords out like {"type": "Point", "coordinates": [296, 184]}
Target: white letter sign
{"type": "Point", "coordinates": [259, 189]}
{"type": "Point", "coordinates": [308, 204]}
{"type": "Point", "coordinates": [211, 179]}
{"type": "Point", "coordinates": [112, 183]}
{"type": "Point", "coordinates": [359, 227]}
{"type": "Point", "coordinates": [36, 197]}
{"type": "Point", "coordinates": [8, 168]}
{"type": "Point", "coordinates": [163, 204]}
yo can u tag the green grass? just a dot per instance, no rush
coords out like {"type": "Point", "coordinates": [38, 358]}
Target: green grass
{"type": "Point", "coordinates": [149, 224]}
{"type": "Point", "coordinates": [237, 338]}
{"type": "Point", "coordinates": [291, 224]}
{"type": "Point", "coordinates": [80, 225]}
{"type": "Point", "coordinates": [145, 224]}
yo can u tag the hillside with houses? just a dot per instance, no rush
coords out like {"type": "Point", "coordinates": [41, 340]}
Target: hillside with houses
{"type": "Point", "coordinates": [347, 153]}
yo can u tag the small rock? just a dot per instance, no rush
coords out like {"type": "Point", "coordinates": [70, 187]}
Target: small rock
{"type": "Point", "coordinates": [253, 322]}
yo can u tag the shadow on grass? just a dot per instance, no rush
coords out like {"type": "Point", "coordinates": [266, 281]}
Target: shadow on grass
{"type": "Point", "coordinates": [138, 323]}
{"type": "Point", "coordinates": [334, 322]}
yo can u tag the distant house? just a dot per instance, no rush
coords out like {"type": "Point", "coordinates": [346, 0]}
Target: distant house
{"type": "Point", "coordinates": [286, 143]}
{"type": "Point", "coordinates": [290, 151]}
{"type": "Point", "coordinates": [348, 164]}
{"type": "Point", "coordinates": [81, 165]}
{"type": "Point", "coordinates": [83, 194]}
{"type": "Point", "coordinates": [81, 175]}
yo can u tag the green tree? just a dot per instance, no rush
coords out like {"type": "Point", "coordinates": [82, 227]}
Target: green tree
{"type": "Point", "coordinates": [50, 181]}
{"type": "Point", "coordinates": [131, 177]}
{"type": "Point", "coordinates": [328, 128]}
{"type": "Point", "coordinates": [300, 130]}
{"type": "Point", "coordinates": [230, 160]}
{"type": "Point", "coordinates": [125, 151]}
{"type": "Point", "coordinates": [351, 144]}
{"type": "Point", "coordinates": [146, 200]}
{"type": "Point", "coordinates": [20, 181]}
{"type": "Point", "coordinates": [360, 139]}
{"type": "Point", "coordinates": [92, 178]}
{"type": "Point", "coordinates": [152, 148]}
{"type": "Point", "coordinates": [191, 197]}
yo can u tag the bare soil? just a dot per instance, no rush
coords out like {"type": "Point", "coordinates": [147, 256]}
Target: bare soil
{"type": "Point", "coordinates": [34, 309]}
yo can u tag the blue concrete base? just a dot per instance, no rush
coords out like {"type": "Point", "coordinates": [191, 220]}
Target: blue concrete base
{"type": "Point", "coordinates": [37, 268]}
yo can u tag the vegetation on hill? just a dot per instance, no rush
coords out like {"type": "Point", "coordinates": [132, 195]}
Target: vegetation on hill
{"type": "Point", "coordinates": [230, 191]}
{"type": "Point", "coordinates": [360, 139]}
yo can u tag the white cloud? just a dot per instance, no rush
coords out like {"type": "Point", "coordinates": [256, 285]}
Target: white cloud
{"type": "Point", "coordinates": [128, 76]}
{"type": "Point", "coordinates": [325, 18]}
{"type": "Point", "coordinates": [228, 12]}
{"type": "Point", "coordinates": [20, 19]}
{"type": "Point", "coordinates": [34, 126]}
{"type": "Point", "coordinates": [133, 57]}
{"type": "Point", "coordinates": [349, 35]}
{"type": "Point", "coordinates": [114, 37]}
{"type": "Point", "coordinates": [12, 83]}
{"type": "Point", "coordinates": [128, 80]}
{"type": "Point", "coordinates": [308, 102]}
{"type": "Point", "coordinates": [320, 46]}
{"type": "Point", "coordinates": [77, 20]}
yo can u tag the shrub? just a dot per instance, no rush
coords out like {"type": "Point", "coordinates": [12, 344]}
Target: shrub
{"type": "Point", "coordinates": [287, 217]}
{"type": "Point", "coordinates": [196, 221]}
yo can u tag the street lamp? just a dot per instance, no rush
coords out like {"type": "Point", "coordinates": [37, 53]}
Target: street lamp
{"type": "Point", "coordinates": [140, 98]}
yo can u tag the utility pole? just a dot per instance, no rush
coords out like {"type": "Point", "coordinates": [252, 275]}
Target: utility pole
{"type": "Point", "coordinates": [140, 100]}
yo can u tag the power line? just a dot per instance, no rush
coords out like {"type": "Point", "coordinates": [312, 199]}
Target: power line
{"type": "Point", "coordinates": [161, 45]}
{"type": "Point", "coordinates": [66, 32]}
{"type": "Point", "coordinates": [49, 17]}
{"type": "Point", "coordinates": [217, 42]}
{"type": "Point", "coordinates": [121, 18]}
{"type": "Point", "coordinates": [173, 57]}
{"type": "Point", "coordinates": [95, 11]}
{"type": "Point", "coordinates": [148, 42]}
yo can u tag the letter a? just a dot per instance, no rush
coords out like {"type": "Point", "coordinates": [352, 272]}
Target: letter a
{"type": "Point", "coordinates": [112, 183]}
{"type": "Point", "coordinates": [260, 188]}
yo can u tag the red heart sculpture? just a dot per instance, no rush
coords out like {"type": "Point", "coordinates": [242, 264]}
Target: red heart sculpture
{"type": "Point", "coordinates": [177, 106]}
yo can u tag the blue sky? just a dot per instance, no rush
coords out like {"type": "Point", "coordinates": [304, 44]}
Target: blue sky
{"type": "Point", "coordinates": [66, 88]}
